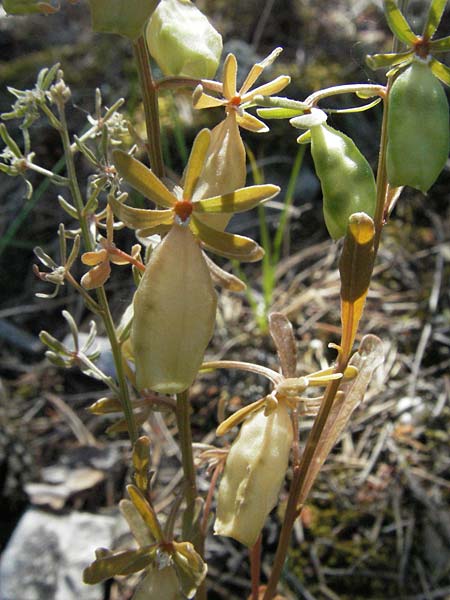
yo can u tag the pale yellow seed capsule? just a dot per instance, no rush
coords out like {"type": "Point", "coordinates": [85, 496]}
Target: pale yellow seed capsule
{"type": "Point", "coordinates": [253, 475]}
{"type": "Point", "coordinates": [174, 314]}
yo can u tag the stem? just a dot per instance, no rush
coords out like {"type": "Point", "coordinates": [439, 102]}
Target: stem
{"type": "Point", "coordinates": [101, 295]}
{"type": "Point", "coordinates": [187, 460]}
{"type": "Point", "coordinates": [150, 100]}
{"type": "Point", "coordinates": [295, 500]}
{"type": "Point", "coordinates": [255, 567]}
{"type": "Point", "coordinates": [351, 88]}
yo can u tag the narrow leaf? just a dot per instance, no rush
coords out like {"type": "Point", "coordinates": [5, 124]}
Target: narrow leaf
{"type": "Point", "coordinates": [227, 244]}
{"type": "Point", "coordinates": [140, 218]}
{"type": "Point", "coordinates": [434, 17]}
{"type": "Point", "coordinates": [355, 267]}
{"type": "Point", "coordinates": [142, 179]}
{"type": "Point", "coordinates": [238, 201]}
{"type": "Point", "coordinates": [141, 461]}
{"type": "Point", "coordinates": [398, 24]}
{"type": "Point", "coordinates": [196, 162]}
{"type": "Point", "coordinates": [136, 523]}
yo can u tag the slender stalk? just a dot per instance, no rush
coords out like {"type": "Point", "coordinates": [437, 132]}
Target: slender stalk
{"type": "Point", "coordinates": [187, 458]}
{"type": "Point", "coordinates": [104, 312]}
{"type": "Point", "coordinates": [295, 499]}
{"type": "Point", "coordinates": [255, 567]}
{"type": "Point", "coordinates": [351, 88]}
{"type": "Point", "coordinates": [150, 100]}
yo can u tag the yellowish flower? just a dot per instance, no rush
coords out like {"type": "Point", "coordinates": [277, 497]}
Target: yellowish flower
{"type": "Point", "coordinates": [236, 101]}
{"type": "Point", "coordinates": [179, 206]}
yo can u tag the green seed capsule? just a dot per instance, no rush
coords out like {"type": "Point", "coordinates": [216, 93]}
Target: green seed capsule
{"type": "Point", "coordinates": [182, 40]}
{"type": "Point", "coordinates": [174, 314]}
{"type": "Point", "coordinates": [254, 472]}
{"type": "Point", "coordinates": [348, 183]}
{"type": "Point", "coordinates": [417, 129]}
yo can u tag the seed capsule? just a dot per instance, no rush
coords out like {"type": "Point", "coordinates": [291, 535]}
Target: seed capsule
{"type": "Point", "coordinates": [174, 314]}
{"type": "Point", "coordinates": [417, 129]}
{"type": "Point", "coordinates": [182, 40]}
{"type": "Point", "coordinates": [253, 475]}
{"type": "Point", "coordinates": [348, 183]}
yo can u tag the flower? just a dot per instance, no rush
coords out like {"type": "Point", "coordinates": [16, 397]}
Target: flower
{"type": "Point", "coordinates": [419, 46]}
{"type": "Point", "coordinates": [180, 208]}
{"type": "Point", "coordinates": [235, 102]}
{"type": "Point", "coordinates": [100, 260]}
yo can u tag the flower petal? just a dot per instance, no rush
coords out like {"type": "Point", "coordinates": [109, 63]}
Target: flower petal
{"type": "Point", "coordinates": [121, 563]}
{"type": "Point", "coordinates": [94, 258]}
{"type": "Point", "coordinates": [226, 244]}
{"type": "Point", "coordinates": [196, 163]}
{"type": "Point", "coordinates": [238, 201]}
{"type": "Point", "coordinates": [434, 17]}
{"type": "Point", "coordinates": [273, 87]}
{"type": "Point", "coordinates": [239, 416]}
{"type": "Point", "coordinates": [202, 100]}
{"type": "Point", "coordinates": [257, 69]}
{"type": "Point", "coordinates": [229, 77]}
{"type": "Point", "coordinates": [380, 61]}
{"type": "Point", "coordinates": [251, 123]}
{"type": "Point", "coordinates": [398, 24]}
{"type": "Point", "coordinates": [142, 179]}
{"type": "Point", "coordinates": [441, 45]}
{"type": "Point", "coordinates": [140, 218]}
{"type": "Point", "coordinates": [440, 70]}
{"type": "Point", "coordinates": [97, 276]}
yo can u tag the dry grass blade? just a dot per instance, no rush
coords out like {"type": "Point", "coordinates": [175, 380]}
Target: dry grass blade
{"type": "Point", "coordinates": [366, 360]}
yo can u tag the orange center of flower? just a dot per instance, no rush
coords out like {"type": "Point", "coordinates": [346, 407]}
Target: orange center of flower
{"type": "Point", "coordinates": [422, 47]}
{"type": "Point", "coordinates": [235, 100]}
{"type": "Point", "coordinates": [183, 209]}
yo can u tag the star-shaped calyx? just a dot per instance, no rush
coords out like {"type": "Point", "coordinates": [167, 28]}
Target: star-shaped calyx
{"type": "Point", "coordinates": [179, 207]}
{"type": "Point", "coordinates": [419, 47]}
{"type": "Point", "coordinates": [236, 101]}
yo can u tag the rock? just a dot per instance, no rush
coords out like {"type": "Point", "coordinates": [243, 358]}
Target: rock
{"type": "Point", "coordinates": [46, 555]}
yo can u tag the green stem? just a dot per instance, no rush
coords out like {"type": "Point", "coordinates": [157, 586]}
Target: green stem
{"type": "Point", "coordinates": [105, 313]}
{"type": "Point", "coordinates": [150, 100]}
{"type": "Point", "coordinates": [187, 459]}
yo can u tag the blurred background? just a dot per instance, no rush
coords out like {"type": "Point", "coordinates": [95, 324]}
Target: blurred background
{"type": "Point", "coordinates": [377, 524]}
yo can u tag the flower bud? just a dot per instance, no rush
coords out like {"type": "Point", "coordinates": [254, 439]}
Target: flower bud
{"type": "Point", "coordinates": [174, 314]}
{"type": "Point", "coordinates": [418, 128]}
{"type": "Point", "coordinates": [182, 40]}
{"type": "Point", "coordinates": [254, 472]}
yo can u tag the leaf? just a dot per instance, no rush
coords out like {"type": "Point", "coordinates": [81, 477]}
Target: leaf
{"type": "Point", "coordinates": [227, 244]}
{"type": "Point", "coordinates": [434, 17]}
{"type": "Point", "coordinates": [398, 24]}
{"type": "Point", "coordinates": [142, 179]}
{"type": "Point", "coordinates": [381, 61]}
{"type": "Point", "coordinates": [355, 268]}
{"type": "Point", "coordinates": [369, 356]}
{"type": "Point", "coordinates": [122, 563]}
{"type": "Point", "coordinates": [140, 218]}
{"type": "Point", "coordinates": [229, 77]}
{"type": "Point", "coordinates": [146, 511]}
{"type": "Point", "coordinates": [283, 336]}
{"type": "Point", "coordinates": [238, 201]}
{"type": "Point", "coordinates": [196, 163]}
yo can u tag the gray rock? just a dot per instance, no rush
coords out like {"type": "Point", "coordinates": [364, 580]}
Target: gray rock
{"type": "Point", "coordinates": [46, 555]}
